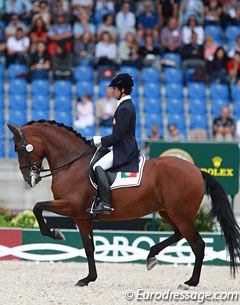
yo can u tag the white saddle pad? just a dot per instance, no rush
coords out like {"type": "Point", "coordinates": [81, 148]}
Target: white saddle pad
{"type": "Point", "coordinates": [127, 179]}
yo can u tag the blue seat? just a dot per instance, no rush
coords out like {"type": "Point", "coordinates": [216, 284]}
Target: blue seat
{"type": "Point", "coordinates": [152, 90]}
{"type": "Point", "coordinates": [174, 106]}
{"type": "Point", "coordinates": [188, 75]}
{"type": "Point", "coordinates": [40, 102]}
{"type": "Point", "coordinates": [18, 102]}
{"type": "Point", "coordinates": [2, 129]}
{"type": "Point", "coordinates": [84, 88]}
{"type": "Point", "coordinates": [2, 101]}
{"type": "Point", "coordinates": [63, 103]}
{"type": "Point", "coordinates": [174, 90]}
{"type": "Point", "coordinates": [216, 32]}
{"type": "Point", "coordinates": [2, 72]}
{"type": "Point", "coordinates": [198, 121]}
{"type": "Point", "coordinates": [152, 105]}
{"type": "Point", "coordinates": [236, 107]}
{"type": "Point", "coordinates": [83, 73]}
{"type": "Point", "coordinates": [12, 154]}
{"type": "Point", "coordinates": [197, 106]}
{"type": "Point", "coordinates": [178, 120]}
{"type": "Point", "coordinates": [63, 117]}
{"type": "Point", "coordinates": [218, 91]}
{"type": "Point", "coordinates": [16, 69]}
{"type": "Point", "coordinates": [235, 91]}
{"type": "Point", "coordinates": [231, 33]}
{"type": "Point", "coordinates": [173, 75]}
{"type": "Point", "coordinates": [17, 117]}
{"type": "Point", "coordinates": [87, 132]}
{"type": "Point", "coordinates": [105, 131]}
{"type": "Point", "coordinates": [135, 92]}
{"type": "Point", "coordinates": [1, 86]}
{"type": "Point", "coordinates": [103, 84]}
{"type": "Point", "coordinates": [40, 87]}
{"type": "Point", "coordinates": [18, 86]}
{"type": "Point", "coordinates": [39, 115]}
{"type": "Point", "coordinates": [150, 74]}
{"type": "Point", "coordinates": [62, 87]}
{"type": "Point", "coordinates": [216, 106]}
{"type": "Point", "coordinates": [153, 119]}
{"type": "Point", "coordinates": [196, 90]}
{"type": "Point", "coordinates": [130, 70]}
{"type": "Point", "coordinates": [175, 57]}
{"type": "Point", "coordinates": [2, 148]}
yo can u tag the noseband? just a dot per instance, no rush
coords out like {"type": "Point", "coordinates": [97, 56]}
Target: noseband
{"type": "Point", "coordinates": [34, 167]}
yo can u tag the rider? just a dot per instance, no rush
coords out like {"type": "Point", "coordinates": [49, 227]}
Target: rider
{"type": "Point", "coordinates": [124, 155]}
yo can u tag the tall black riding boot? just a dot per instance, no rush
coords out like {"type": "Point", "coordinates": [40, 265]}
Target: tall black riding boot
{"type": "Point", "coordinates": [104, 192]}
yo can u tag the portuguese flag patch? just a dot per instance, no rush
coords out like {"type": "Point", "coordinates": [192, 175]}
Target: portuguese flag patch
{"type": "Point", "coordinates": [128, 175]}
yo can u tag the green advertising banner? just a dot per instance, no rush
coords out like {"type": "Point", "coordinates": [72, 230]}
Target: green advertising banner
{"type": "Point", "coordinates": [218, 159]}
{"type": "Point", "coordinates": [113, 246]}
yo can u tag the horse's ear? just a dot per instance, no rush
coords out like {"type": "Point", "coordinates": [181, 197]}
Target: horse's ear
{"type": "Point", "coordinates": [14, 129]}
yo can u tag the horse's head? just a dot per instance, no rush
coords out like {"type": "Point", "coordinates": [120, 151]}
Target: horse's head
{"type": "Point", "coordinates": [30, 155]}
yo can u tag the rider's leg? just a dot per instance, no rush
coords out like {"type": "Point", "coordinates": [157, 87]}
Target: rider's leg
{"type": "Point", "coordinates": [99, 168]}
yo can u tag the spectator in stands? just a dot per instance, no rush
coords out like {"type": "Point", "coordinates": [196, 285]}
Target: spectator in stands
{"type": "Point", "coordinates": [84, 49]}
{"type": "Point", "coordinates": [106, 51]}
{"type": "Point", "coordinates": [173, 133]}
{"type": "Point", "coordinates": [62, 63]}
{"type": "Point", "coordinates": [233, 67]}
{"type": "Point", "coordinates": [60, 7]}
{"type": "Point", "coordinates": [17, 48]}
{"type": "Point", "coordinates": [125, 20]}
{"type": "Point", "coordinates": [79, 5]}
{"type": "Point", "coordinates": [167, 9]}
{"type": "Point", "coordinates": [107, 26]}
{"type": "Point", "coordinates": [105, 108]}
{"type": "Point", "coordinates": [85, 112]}
{"type": "Point", "coordinates": [103, 7]}
{"type": "Point", "coordinates": [2, 47]}
{"type": "Point", "coordinates": [43, 11]}
{"type": "Point", "coordinates": [39, 62]}
{"type": "Point", "coordinates": [231, 12]}
{"type": "Point", "coordinates": [223, 126]}
{"type": "Point", "coordinates": [83, 24]}
{"type": "Point", "coordinates": [198, 135]}
{"type": "Point", "coordinates": [147, 21]}
{"type": "Point", "coordinates": [210, 48]}
{"type": "Point", "coordinates": [235, 48]}
{"type": "Point", "coordinates": [217, 68]}
{"type": "Point", "coordinates": [59, 33]}
{"type": "Point", "coordinates": [20, 7]}
{"type": "Point", "coordinates": [128, 51]}
{"type": "Point", "coordinates": [213, 12]}
{"type": "Point", "coordinates": [192, 26]}
{"type": "Point", "coordinates": [190, 8]}
{"type": "Point", "coordinates": [13, 25]}
{"type": "Point", "coordinates": [192, 55]}
{"type": "Point", "coordinates": [149, 53]}
{"type": "Point", "coordinates": [155, 133]}
{"type": "Point", "coordinates": [171, 36]}
{"type": "Point", "coordinates": [38, 32]}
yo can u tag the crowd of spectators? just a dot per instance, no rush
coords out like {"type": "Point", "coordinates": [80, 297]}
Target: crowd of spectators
{"type": "Point", "coordinates": [105, 32]}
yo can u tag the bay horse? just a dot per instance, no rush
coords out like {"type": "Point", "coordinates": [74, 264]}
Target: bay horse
{"type": "Point", "coordinates": [170, 186]}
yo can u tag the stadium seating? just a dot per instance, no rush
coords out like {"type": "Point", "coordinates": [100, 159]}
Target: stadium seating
{"type": "Point", "coordinates": [231, 33]}
{"type": "Point", "coordinates": [173, 75]}
{"type": "Point", "coordinates": [40, 87]}
{"type": "Point", "coordinates": [132, 71]}
{"type": "Point", "coordinates": [198, 121]}
{"type": "Point", "coordinates": [174, 91]}
{"type": "Point", "coordinates": [152, 105]}
{"type": "Point", "coordinates": [151, 90]}
{"type": "Point", "coordinates": [216, 32]}
{"type": "Point", "coordinates": [83, 73]}
{"type": "Point", "coordinates": [87, 132]}
{"type": "Point", "coordinates": [178, 120]}
{"type": "Point", "coordinates": [235, 89]}
{"type": "Point", "coordinates": [39, 115]}
{"type": "Point", "coordinates": [63, 117]}
{"type": "Point", "coordinates": [103, 84]}
{"type": "Point", "coordinates": [18, 86]}
{"type": "Point", "coordinates": [174, 106]}
{"type": "Point", "coordinates": [63, 103]}
{"type": "Point", "coordinates": [216, 106]}
{"type": "Point", "coordinates": [196, 90]}
{"type": "Point", "coordinates": [150, 75]}
{"type": "Point", "coordinates": [218, 91]}
{"type": "Point", "coordinates": [197, 106]}
{"type": "Point", "coordinates": [18, 102]}
{"type": "Point", "coordinates": [40, 103]}
{"type": "Point", "coordinates": [153, 119]}
{"type": "Point", "coordinates": [62, 87]}
{"type": "Point", "coordinates": [84, 88]}
{"type": "Point", "coordinates": [17, 117]}
{"type": "Point", "coordinates": [175, 57]}
{"type": "Point", "coordinates": [16, 70]}
{"type": "Point", "coordinates": [2, 147]}
{"type": "Point", "coordinates": [2, 72]}
{"type": "Point", "coordinates": [236, 107]}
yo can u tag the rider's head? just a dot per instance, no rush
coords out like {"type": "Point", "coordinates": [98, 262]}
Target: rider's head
{"type": "Point", "coordinates": [123, 83]}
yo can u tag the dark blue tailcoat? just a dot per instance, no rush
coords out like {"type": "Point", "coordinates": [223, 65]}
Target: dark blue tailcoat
{"type": "Point", "coordinates": [122, 139]}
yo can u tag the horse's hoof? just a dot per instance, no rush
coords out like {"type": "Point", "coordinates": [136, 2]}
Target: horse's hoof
{"type": "Point", "coordinates": [183, 287]}
{"type": "Point", "coordinates": [151, 262]}
{"type": "Point", "coordinates": [80, 284]}
{"type": "Point", "coordinates": [59, 235]}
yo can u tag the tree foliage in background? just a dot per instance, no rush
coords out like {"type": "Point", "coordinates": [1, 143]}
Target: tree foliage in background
{"type": "Point", "coordinates": [25, 219]}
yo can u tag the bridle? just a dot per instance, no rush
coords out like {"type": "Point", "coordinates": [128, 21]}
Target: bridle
{"type": "Point", "coordinates": [35, 168]}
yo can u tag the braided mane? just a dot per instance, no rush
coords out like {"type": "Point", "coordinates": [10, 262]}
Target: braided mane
{"type": "Point", "coordinates": [52, 122]}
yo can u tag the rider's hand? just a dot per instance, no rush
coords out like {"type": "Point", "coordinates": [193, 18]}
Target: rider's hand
{"type": "Point", "coordinates": [97, 140]}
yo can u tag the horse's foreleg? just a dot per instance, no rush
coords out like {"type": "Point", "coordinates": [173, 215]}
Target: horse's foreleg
{"type": "Point", "coordinates": [85, 228]}
{"type": "Point", "coordinates": [50, 206]}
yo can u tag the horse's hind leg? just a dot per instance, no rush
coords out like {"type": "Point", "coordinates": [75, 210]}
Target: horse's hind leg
{"type": "Point", "coordinates": [198, 245]}
{"type": "Point", "coordinates": [155, 250]}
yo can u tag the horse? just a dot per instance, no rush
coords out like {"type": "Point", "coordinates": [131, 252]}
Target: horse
{"type": "Point", "coordinates": [170, 186]}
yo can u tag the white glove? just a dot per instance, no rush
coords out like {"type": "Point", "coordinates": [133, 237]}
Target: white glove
{"type": "Point", "coordinates": [97, 140]}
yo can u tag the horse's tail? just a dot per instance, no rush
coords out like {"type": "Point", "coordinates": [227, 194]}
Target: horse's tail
{"type": "Point", "coordinates": [221, 208]}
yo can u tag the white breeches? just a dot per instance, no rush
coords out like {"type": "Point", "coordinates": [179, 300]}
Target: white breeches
{"type": "Point", "coordinates": [105, 162]}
